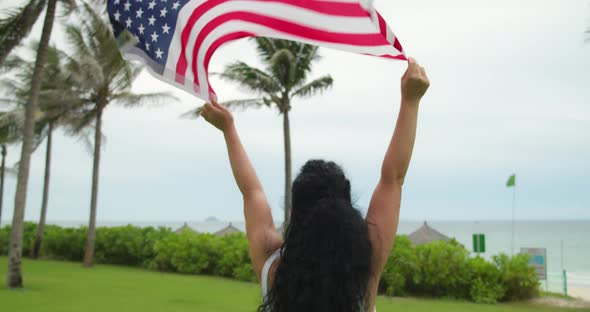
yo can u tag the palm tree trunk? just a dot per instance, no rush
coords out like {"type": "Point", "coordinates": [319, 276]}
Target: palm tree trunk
{"type": "Point", "coordinates": [2, 169]}
{"type": "Point", "coordinates": [91, 236]}
{"type": "Point", "coordinates": [41, 227]}
{"type": "Point", "coordinates": [287, 139]}
{"type": "Point", "coordinates": [14, 278]}
{"type": "Point", "coordinates": [30, 15]}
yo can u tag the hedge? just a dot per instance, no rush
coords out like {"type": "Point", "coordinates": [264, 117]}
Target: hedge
{"type": "Point", "coordinates": [437, 269]}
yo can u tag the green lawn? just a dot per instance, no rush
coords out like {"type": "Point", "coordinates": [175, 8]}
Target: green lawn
{"type": "Point", "coordinates": [64, 286]}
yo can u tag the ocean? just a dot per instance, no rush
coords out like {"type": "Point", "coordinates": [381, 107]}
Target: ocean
{"type": "Point", "coordinates": [567, 242]}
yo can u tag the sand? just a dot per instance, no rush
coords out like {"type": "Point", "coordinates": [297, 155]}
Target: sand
{"type": "Point", "coordinates": [579, 292]}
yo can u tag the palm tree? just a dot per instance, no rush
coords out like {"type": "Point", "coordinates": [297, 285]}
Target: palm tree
{"type": "Point", "coordinates": [99, 77]}
{"type": "Point", "coordinates": [284, 78]}
{"type": "Point", "coordinates": [52, 112]}
{"type": "Point", "coordinates": [15, 279]}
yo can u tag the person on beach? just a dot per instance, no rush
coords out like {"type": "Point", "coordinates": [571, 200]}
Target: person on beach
{"type": "Point", "coordinates": [330, 259]}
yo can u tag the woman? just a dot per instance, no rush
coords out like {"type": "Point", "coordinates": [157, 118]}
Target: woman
{"type": "Point", "coordinates": [331, 258]}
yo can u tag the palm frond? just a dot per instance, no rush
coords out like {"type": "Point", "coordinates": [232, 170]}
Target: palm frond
{"type": "Point", "coordinates": [314, 87]}
{"type": "Point", "coordinates": [192, 114]}
{"type": "Point", "coordinates": [86, 138]}
{"type": "Point", "coordinates": [17, 25]}
{"type": "Point", "coordinates": [76, 39]}
{"type": "Point", "coordinates": [306, 55]}
{"type": "Point", "coordinates": [128, 99]}
{"type": "Point", "coordinates": [266, 47]}
{"type": "Point", "coordinates": [11, 123]}
{"type": "Point", "coordinates": [12, 63]}
{"type": "Point", "coordinates": [76, 124]}
{"type": "Point", "coordinates": [251, 78]}
{"type": "Point", "coordinates": [231, 105]}
{"type": "Point", "coordinates": [68, 7]}
{"type": "Point", "coordinates": [240, 104]}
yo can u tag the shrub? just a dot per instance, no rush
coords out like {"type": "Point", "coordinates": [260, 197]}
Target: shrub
{"type": "Point", "coordinates": [518, 278]}
{"type": "Point", "coordinates": [29, 231]}
{"type": "Point", "coordinates": [436, 269]}
{"type": "Point", "coordinates": [4, 238]}
{"type": "Point", "coordinates": [400, 267]}
{"type": "Point", "coordinates": [64, 243]}
{"type": "Point", "coordinates": [127, 245]}
{"type": "Point", "coordinates": [441, 270]}
{"type": "Point", "coordinates": [485, 281]}
{"type": "Point", "coordinates": [235, 258]}
{"type": "Point", "coordinates": [187, 252]}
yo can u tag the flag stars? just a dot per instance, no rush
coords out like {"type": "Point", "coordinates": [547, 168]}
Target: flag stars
{"type": "Point", "coordinates": [175, 5]}
{"type": "Point", "coordinates": [128, 22]}
{"type": "Point", "coordinates": [163, 12]}
{"type": "Point", "coordinates": [159, 53]}
{"type": "Point", "coordinates": [141, 29]}
{"type": "Point", "coordinates": [117, 1]}
{"type": "Point", "coordinates": [147, 46]}
{"type": "Point", "coordinates": [151, 5]}
{"type": "Point", "coordinates": [127, 6]}
{"type": "Point", "coordinates": [117, 16]}
{"type": "Point", "coordinates": [139, 13]}
{"type": "Point", "coordinates": [166, 29]}
{"type": "Point", "coordinates": [154, 37]}
{"type": "Point", "coordinates": [152, 20]}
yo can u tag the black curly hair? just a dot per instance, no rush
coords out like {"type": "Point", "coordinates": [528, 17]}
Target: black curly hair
{"type": "Point", "coordinates": [326, 256]}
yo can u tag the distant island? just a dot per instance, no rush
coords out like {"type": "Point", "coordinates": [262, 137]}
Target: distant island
{"type": "Point", "coordinates": [211, 219]}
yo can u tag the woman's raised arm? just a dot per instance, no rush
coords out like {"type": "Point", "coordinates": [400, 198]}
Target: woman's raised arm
{"type": "Point", "coordinates": [260, 229]}
{"type": "Point", "coordinates": [383, 213]}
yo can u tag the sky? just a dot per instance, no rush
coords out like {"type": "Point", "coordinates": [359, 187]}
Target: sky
{"type": "Point", "coordinates": [509, 94]}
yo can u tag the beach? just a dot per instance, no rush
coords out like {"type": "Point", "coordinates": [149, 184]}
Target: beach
{"type": "Point", "coordinates": [580, 292]}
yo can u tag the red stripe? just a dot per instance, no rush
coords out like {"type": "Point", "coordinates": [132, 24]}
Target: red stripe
{"type": "Point", "coordinates": [217, 44]}
{"type": "Point", "coordinates": [383, 29]}
{"type": "Point", "coordinates": [285, 27]}
{"type": "Point", "coordinates": [327, 7]}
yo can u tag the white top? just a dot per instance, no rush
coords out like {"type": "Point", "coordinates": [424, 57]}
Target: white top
{"type": "Point", "coordinates": [266, 269]}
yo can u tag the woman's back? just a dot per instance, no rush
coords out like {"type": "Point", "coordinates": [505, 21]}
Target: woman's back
{"type": "Point", "coordinates": [326, 252]}
{"type": "Point", "coordinates": [330, 259]}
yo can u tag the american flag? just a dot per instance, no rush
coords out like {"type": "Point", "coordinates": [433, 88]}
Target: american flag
{"type": "Point", "coordinates": [176, 38]}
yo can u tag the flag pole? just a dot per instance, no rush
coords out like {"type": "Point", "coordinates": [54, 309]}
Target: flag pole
{"type": "Point", "coordinates": [513, 200]}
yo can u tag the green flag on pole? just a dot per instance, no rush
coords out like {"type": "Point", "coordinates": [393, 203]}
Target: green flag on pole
{"type": "Point", "coordinates": [511, 181]}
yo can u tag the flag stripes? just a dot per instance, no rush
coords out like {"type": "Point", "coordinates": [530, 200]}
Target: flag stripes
{"type": "Point", "coordinates": [199, 27]}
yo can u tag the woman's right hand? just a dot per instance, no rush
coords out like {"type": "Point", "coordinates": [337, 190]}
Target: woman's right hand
{"type": "Point", "coordinates": [414, 82]}
{"type": "Point", "coordinates": [218, 116]}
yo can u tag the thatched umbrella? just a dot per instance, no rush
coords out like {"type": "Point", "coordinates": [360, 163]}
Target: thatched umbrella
{"type": "Point", "coordinates": [426, 234]}
{"type": "Point", "coordinates": [184, 227]}
{"type": "Point", "coordinates": [230, 229]}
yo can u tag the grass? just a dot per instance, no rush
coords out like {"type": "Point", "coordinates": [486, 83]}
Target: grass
{"type": "Point", "coordinates": [66, 286]}
{"type": "Point", "coordinates": [556, 295]}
